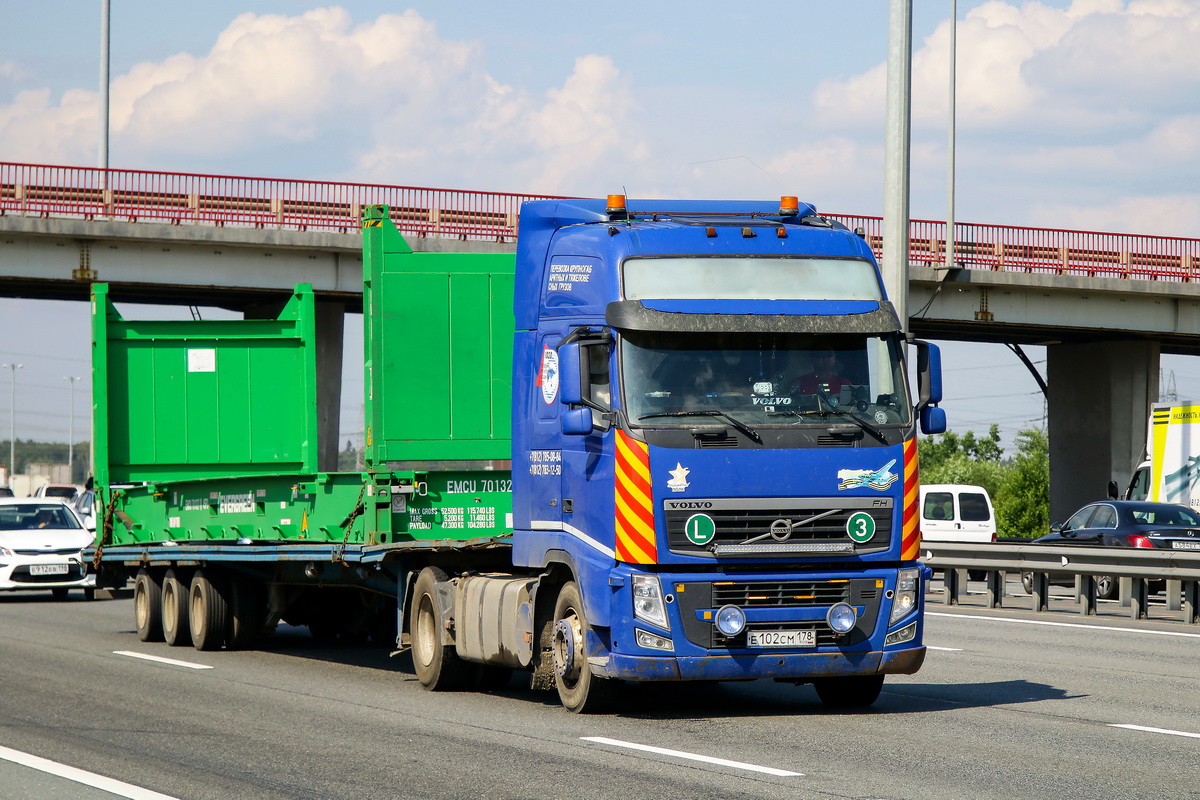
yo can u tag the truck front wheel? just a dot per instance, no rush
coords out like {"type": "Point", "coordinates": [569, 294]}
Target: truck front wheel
{"type": "Point", "coordinates": [579, 690]}
{"type": "Point", "coordinates": [438, 666]}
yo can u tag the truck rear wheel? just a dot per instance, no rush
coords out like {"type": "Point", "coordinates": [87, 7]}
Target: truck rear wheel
{"type": "Point", "coordinates": [209, 617]}
{"type": "Point", "coordinates": [438, 666]}
{"type": "Point", "coordinates": [147, 607]}
{"type": "Point", "coordinates": [578, 689]}
{"type": "Point", "coordinates": [174, 609]}
{"type": "Point", "coordinates": [857, 691]}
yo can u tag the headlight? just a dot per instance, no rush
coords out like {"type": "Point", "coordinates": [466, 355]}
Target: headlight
{"type": "Point", "coordinates": [730, 620]}
{"type": "Point", "coordinates": [908, 582]}
{"type": "Point", "coordinates": [841, 618]}
{"type": "Point", "coordinates": [4, 551]}
{"type": "Point", "coordinates": [648, 602]}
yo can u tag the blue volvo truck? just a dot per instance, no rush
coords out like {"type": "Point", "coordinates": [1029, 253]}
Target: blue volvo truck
{"type": "Point", "coordinates": [674, 441]}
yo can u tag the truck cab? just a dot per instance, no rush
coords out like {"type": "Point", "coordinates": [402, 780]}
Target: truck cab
{"type": "Point", "coordinates": [714, 443]}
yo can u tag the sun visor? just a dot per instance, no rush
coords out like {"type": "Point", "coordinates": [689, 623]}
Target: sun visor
{"type": "Point", "coordinates": [817, 317]}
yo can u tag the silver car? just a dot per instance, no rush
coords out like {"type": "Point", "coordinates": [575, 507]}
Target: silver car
{"type": "Point", "coordinates": [40, 547]}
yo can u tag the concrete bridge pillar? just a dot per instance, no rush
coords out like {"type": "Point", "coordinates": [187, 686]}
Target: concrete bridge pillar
{"type": "Point", "coordinates": [1099, 396]}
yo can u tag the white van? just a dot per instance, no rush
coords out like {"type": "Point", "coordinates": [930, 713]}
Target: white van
{"type": "Point", "coordinates": [956, 512]}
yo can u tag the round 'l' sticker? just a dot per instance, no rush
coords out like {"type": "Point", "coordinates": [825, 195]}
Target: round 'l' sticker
{"type": "Point", "coordinates": [700, 529]}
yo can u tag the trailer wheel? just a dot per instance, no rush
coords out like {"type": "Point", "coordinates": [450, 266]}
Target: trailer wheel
{"type": "Point", "coordinates": [209, 617]}
{"type": "Point", "coordinates": [247, 611]}
{"type": "Point", "coordinates": [858, 691]}
{"type": "Point", "coordinates": [579, 690]}
{"type": "Point", "coordinates": [438, 666]}
{"type": "Point", "coordinates": [148, 606]}
{"type": "Point", "coordinates": [174, 609]}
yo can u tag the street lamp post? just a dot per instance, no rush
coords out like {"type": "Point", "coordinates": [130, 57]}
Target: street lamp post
{"type": "Point", "coordinates": [71, 432]}
{"type": "Point", "coordinates": [12, 421]}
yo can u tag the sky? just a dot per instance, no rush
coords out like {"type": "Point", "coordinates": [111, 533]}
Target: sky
{"type": "Point", "coordinates": [1078, 114]}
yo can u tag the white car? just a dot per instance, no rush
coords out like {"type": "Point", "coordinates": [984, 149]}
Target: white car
{"type": "Point", "coordinates": [40, 547]}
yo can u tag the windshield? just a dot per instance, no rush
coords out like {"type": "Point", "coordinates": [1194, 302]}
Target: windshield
{"type": "Point", "coordinates": [32, 516]}
{"type": "Point", "coordinates": [782, 380]}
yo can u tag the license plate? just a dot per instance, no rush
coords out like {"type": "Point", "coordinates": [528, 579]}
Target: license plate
{"type": "Point", "coordinates": [49, 569]}
{"type": "Point", "coordinates": [781, 639]}
{"type": "Point", "coordinates": [1186, 545]}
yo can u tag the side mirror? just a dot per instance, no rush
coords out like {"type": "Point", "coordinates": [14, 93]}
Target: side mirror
{"type": "Point", "coordinates": [570, 372]}
{"type": "Point", "coordinates": [1056, 527]}
{"type": "Point", "coordinates": [1112, 490]}
{"type": "Point", "coordinates": [577, 421]}
{"type": "Point", "coordinates": [933, 420]}
{"type": "Point", "coordinates": [929, 373]}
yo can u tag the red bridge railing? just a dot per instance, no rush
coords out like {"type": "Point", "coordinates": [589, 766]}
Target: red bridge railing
{"type": "Point", "coordinates": [186, 199]}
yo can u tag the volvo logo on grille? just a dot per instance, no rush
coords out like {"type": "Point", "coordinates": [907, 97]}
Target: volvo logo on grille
{"type": "Point", "coordinates": [781, 529]}
{"type": "Point", "coordinates": [688, 505]}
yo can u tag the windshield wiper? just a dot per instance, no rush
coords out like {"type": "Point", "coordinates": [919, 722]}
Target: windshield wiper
{"type": "Point", "coordinates": [734, 421]}
{"type": "Point", "coordinates": [862, 423]}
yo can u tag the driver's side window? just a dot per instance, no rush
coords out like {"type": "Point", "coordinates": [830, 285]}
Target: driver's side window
{"type": "Point", "coordinates": [1080, 519]}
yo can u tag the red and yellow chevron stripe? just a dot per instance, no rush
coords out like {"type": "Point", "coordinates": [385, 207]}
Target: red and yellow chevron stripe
{"type": "Point", "coordinates": [635, 508]}
{"type": "Point", "coordinates": [910, 547]}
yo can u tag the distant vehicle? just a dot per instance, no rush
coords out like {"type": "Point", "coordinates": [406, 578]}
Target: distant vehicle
{"type": "Point", "coordinates": [61, 491]}
{"type": "Point", "coordinates": [40, 544]}
{"type": "Point", "coordinates": [1123, 523]}
{"type": "Point", "coordinates": [5, 491]}
{"type": "Point", "coordinates": [956, 512]}
{"type": "Point", "coordinates": [1170, 470]}
{"type": "Point", "coordinates": [85, 507]}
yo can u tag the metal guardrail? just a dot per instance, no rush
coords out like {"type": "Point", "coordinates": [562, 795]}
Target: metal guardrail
{"type": "Point", "coordinates": [181, 198]}
{"type": "Point", "coordinates": [1134, 567]}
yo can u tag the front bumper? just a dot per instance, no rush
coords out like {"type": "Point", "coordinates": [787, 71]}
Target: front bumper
{"type": "Point", "coordinates": [16, 574]}
{"type": "Point", "coordinates": [782, 666]}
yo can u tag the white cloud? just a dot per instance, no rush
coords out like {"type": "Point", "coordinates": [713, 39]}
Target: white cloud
{"type": "Point", "coordinates": [387, 100]}
{"type": "Point", "coordinates": [1060, 104]}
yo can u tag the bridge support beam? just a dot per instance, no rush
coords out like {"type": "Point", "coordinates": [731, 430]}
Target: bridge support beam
{"type": "Point", "coordinates": [1099, 396]}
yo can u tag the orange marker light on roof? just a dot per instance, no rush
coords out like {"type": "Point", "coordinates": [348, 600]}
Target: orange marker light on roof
{"type": "Point", "coordinates": [789, 206]}
{"type": "Point", "coordinates": [616, 204]}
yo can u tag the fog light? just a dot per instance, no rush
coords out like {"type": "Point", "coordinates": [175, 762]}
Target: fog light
{"type": "Point", "coordinates": [841, 618]}
{"type": "Point", "coordinates": [653, 641]}
{"type": "Point", "coordinates": [905, 634]}
{"type": "Point", "coordinates": [730, 620]}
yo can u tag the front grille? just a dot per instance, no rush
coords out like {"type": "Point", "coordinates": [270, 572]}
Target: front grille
{"type": "Point", "coordinates": [777, 526]}
{"type": "Point", "coordinates": [699, 600]}
{"type": "Point", "coordinates": [781, 594]}
{"type": "Point", "coordinates": [62, 551]}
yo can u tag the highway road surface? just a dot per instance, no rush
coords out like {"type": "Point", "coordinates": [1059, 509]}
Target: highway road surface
{"type": "Point", "coordinates": [1009, 705]}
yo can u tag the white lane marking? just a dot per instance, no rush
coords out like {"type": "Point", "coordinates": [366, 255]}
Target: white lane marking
{"type": "Point", "coordinates": [80, 776]}
{"type": "Point", "coordinates": [159, 659]}
{"type": "Point", "coordinates": [662, 751]}
{"type": "Point", "coordinates": [945, 649]}
{"type": "Point", "coordinates": [1066, 625]}
{"type": "Point", "coordinates": [1157, 730]}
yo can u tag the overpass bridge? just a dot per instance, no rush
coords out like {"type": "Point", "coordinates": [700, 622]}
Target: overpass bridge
{"type": "Point", "coordinates": [1105, 305]}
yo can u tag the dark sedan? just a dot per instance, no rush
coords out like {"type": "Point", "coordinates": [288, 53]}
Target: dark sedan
{"type": "Point", "coordinates": [1124, 523]}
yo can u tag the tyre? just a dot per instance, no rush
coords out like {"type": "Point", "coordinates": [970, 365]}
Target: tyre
{"type": "Point", "coordinates": [247, 611]}
{"type": "Point", "coordinates": [176, 631]}
{"type": "Point", "coordinates": [578, 689]}
{"type": "Point", "coordinates": [209, 617]}
{"type": "Point", "coordinates": [438, 666]}
{"type": "Point", "coordinates": [851, 692]}
{"type": "Point", "coordinates": [1107, 587]}
{"type": "Point", "coordinates": [147, 607]}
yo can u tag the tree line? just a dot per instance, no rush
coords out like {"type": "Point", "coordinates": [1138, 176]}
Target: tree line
{"type": "Point", "coordinates": [1019, 485]}
{"type": "Point", "coordinates": [27, 451]}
